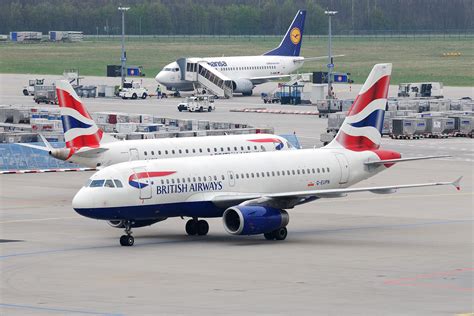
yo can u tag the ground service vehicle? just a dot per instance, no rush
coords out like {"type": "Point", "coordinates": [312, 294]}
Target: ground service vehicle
{"type": "Point", "coordinates": [133, 90]}
{"type": "Point", "coordinates": [198, 103]}
{"type": "Point", "coordinates": [30, 88]}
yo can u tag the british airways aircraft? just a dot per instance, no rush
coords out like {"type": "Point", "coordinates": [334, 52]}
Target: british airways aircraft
{"type": "Point", "coordinates": [88, 145]}
{"type": "Point", "coordinates": [248, 71]}
{"type": "Point", "coordinates": [250, 192]}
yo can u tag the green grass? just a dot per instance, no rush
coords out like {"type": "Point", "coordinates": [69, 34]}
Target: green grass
{"type": "Point", "coordinates": [414, 59]}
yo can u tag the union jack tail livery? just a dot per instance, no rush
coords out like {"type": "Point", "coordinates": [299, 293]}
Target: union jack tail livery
{"type": "Point", "coordinates": [362, 128]}
{"type": "Point", "coordinates": [79, 128]}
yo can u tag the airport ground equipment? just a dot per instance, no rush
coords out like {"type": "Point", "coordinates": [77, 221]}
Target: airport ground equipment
{"type": "Point", "coordinates": [45, 94]}
{"type": "Point", "coordinates": [198, 103]}
{"type": "Point", "coordinates": [290, 93]}
{"type": "Point", "coordinates": [30, 88]}
{"type": "Point", "coordinates": [421, 89]}
{"type": "Point", "coordinates": [463, 125]}
{"type": "Point", "coordinates": [270, 97]}
{"type": "Point", "coordinates": [133, 90]}
{"type": "Point", "coordinates": [439, 127]}
{"type": "Point", "coordinates": [208, 78]}
{"type": "Point", "coordinates": [408, 128]}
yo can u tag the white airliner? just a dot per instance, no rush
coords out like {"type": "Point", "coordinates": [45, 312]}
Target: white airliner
{"type": "Point", "coordinates": [250, 192]}
{"type": "Point", "coordinates": [87, 145]}
{"type": "Point", "coordinates": [248, 71]}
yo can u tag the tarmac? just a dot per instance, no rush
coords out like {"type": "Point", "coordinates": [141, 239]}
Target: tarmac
{"type": "Point", "coordinates": [408, 253]}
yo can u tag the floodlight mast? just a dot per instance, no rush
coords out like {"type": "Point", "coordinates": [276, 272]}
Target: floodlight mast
{"type": "Point", "coordinates": [330, 62]}
{"type": "Point", "coordinates": [123, 58]}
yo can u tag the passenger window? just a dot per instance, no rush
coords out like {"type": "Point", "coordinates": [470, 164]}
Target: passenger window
{"type": "Point", "coordinates": [235, 148]}
{"type": "Point", "coordinates": [167, 181]}
{"type": "Point", "coordinates": [194, 179]}
{"type": "Point", "coordinates": [293, 171]}
{"type": "Point", "coordinates": [255, 147]}
{"type": "Point", "coordinates": [223, 178]}
{"type": "Point", "coordinates": [231, 177]}
{"type": "Point", "coordinates": [199, 179]}
{"type": "Point", "coordinates": [145, 153]}
{"type": "Point", "coordinates": [237, 176]}
{"type": "Point", "coordinates": [187, 151]}
{"type": "Point", "coordinates": [97, 183]}
{"type": "Point", "coordinates": [308, 171]}
{"type": "Point", "coordinates": [177, 180]}
{"type": "Point", "coordinates": [302, 171]}
{"type": "Point", "coordinates": [152, 153]}
{"type": "Point", "coordinates": [173, 152]}
{"type": "Point", "coordinates": [298, 171]}
{"type": "Point", "coordinates": [241, 147]}
{"type": "Point", "coordinates": [183, 180]}
{"type": "Point", "coordinates": [200, 150]}
{"type": "Point", "coordinates": [268, 174]}
{"type": "Point", "coordinates": [314, 171]}
{"type": "Point", "coordinates": [318, 170]}
{"type": "Point", "coordinates": [215, 178]}
{"type": "Point", "coordinates": [273, 173]}
{"type": "Point", "coordinates": [215, 149]}
{"type": "Point", "coordinates": [278, 173]}
{"type": "Point", "coordinates": [247, 175]}
{"type": "Point", "coordinates": [252, 175]}
{"type": "Point", "coordinates": [263, 174]}
{"type": "Point", "coordinates": [162, 181]}
{"type": "Point", "coordinates": [159, 152]}
{"type": "Point", "coordinates": [189, 179]}
{"type": "Point", "coordinates": [228, 148]}
{"type": "Point", "coordinates": [257, 174]}
{"type": "Point", "coordinates": [180, 151]}
{"type": "Point", "coordinates": [248, 147]}
{"type": "Point", "coordinates": [172, 181]}
{"type": "Point", "coordinates": [166, 152]}
{"type": "Point", "coordinates": [118, 184]}
{"type": "Point", "coordinates": [323, 170]}
{"type": "Point", "coordinates": [327, 169]}
{"type": "Point", "coordinates": [222, 148]}
{"type": "Point", "coordinates": [194, 151]}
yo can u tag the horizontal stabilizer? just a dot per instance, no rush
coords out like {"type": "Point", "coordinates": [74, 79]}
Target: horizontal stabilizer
{"type": "Point", "coordinates": [90, 153]}
{"type": "Point", "coordinates": [389, 161]}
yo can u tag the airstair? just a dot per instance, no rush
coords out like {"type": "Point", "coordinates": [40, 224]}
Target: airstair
{"type": "Point", "coordinates": [200, 72]}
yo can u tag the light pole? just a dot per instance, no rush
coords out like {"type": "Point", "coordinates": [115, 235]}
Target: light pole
{"type": "Point", "coordinates": [330, 63]}
{"type": "Point", "coordinates": [123, 59]}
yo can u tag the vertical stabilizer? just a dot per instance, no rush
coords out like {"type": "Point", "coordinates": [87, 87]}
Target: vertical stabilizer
{"type": "Point", "coordinates": [79, 128]}
{"type": "Point", "coordinates": [291, 43]}
{"type": "Point", "coordinates": [362, 128]}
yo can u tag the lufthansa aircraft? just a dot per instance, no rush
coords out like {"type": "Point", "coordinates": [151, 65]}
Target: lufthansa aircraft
{"type": "Point", "coordinates": [88, 145]}
{"type": "Point", "coordinates": [250, 192]}
{"type": "Point", "coordinates": [248, 71]}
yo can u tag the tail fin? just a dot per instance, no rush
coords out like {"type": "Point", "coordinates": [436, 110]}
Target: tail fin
{"type": "Point", "coordinates": [79, 128]}
{"type": "Point", "coordinates": [291, 43]}
{"type": "Point", "coordinates": [362, 128]}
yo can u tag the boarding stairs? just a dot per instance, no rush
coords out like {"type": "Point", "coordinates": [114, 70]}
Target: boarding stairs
{"type": "Point", "coordinates": [201, 73]}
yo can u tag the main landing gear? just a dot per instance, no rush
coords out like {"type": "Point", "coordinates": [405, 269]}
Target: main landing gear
{"type": "Point", "coordinates": [197, 227]}
{"type": "Point", "coordinates": [277, 234]}
{"type": "Point", "coordinates": [127, 240]}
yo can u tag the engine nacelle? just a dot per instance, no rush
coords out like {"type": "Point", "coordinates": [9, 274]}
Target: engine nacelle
{"type": "Point", "coordinates": [243, 86]}
{"type": "Point", "coordinates": [253, 220]}
{"type": "Point", "coordinates": [141, 223]}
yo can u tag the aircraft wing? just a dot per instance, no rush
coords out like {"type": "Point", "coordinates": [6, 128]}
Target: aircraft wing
{"type": "Point", "coordinates": [287, 200]}
{"type": "Point", "coordinates": [306, 59]}
{"type": "Point", "coordinates": [265, 78]}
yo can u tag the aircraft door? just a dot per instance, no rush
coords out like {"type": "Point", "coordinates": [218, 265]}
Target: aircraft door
{"type": "Point", "coordinates": [143, 182]}
{"type": "Point", "coordinates": [231, 176]}
{"type": "Point", "coordinates": [134, 154]}
{"type": "Point", "coordinates": [344, 166]}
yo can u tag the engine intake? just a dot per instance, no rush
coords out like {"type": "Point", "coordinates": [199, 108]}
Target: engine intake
{"type": "Point", "coordinates": [253, 220]}
{"type": "Point", "coordinates": [243, 86]}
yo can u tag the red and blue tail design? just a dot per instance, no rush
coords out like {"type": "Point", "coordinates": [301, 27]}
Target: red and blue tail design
{"type": "Point", "coordinates": [79, 128]}
{"type": "Point", "coordinates": [362, 128]}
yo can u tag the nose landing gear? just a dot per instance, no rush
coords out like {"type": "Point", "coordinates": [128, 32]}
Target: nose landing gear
{"type": "Point", "coordinates": [127, 240]}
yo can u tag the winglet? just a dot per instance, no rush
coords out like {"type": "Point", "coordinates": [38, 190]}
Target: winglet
{"type": "Point", "coordinates": [457, 183]}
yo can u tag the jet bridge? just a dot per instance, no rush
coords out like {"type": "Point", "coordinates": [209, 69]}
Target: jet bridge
{"type": "Point", "coordinates": [201, 73]}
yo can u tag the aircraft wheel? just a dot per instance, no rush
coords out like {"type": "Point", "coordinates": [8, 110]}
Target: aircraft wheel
{"type": "Point", "coordinates": [269, 236]}
{"type": "Point", "coordinates": [202, 227]}
{"type": "Point", "coordinates": [280, 233]}
{"type": "Point", "coordinates": [127, 240]}
{"type": "Point", "coordinates": [191, 227]}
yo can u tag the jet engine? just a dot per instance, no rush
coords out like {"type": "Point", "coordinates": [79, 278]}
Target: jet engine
{"type": "Point", "coordinates": [135, 224]}
{"type": "Point", "coordinates": [253, 220]}
{"type": "Point", "coordinates": [243, 86]}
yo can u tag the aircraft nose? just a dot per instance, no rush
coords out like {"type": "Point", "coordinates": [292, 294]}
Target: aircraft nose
{"type": "Point", "coordinates": [160, 77]}
{"type": "Point", "coordinates": [83, 203]}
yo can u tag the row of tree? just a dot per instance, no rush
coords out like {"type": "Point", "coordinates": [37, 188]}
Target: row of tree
{"type": "Point", "coordinates": [241, 17]}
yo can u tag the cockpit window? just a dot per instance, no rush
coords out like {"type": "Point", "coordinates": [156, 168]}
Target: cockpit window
{"type": "Point", "coordinates": [118, 184]}
{"type": "Point", "coordinates": [109, 184]}
{"type": "Point", "coordinates": [97, 183]}
{"type": "Point", "coordinates": [167, 69]}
